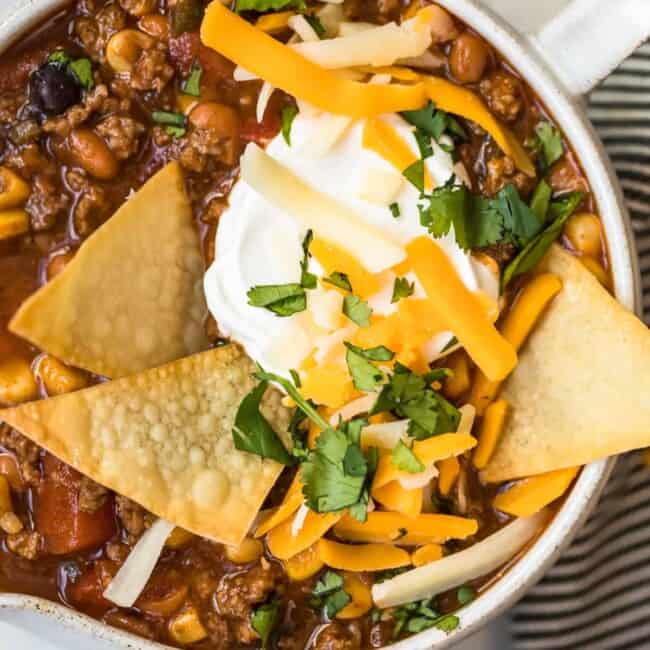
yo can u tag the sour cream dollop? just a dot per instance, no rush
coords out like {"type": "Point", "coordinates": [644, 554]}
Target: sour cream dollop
{"type": "Point", "coordinates": [258, 244]}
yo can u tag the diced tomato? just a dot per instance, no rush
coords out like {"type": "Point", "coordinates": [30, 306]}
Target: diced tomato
{"type": "Point", "coordinates": [65, 528]}
{"type": "Point", "coordinates": [260, 132]}
{"type": "Point", "coordinates": [163, 595]}
{"type": "Point", "coordinates": [86, 593]}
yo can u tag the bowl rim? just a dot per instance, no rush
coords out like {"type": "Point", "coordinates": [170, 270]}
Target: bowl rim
{"type": "Point", "coordinates": [569, 113]}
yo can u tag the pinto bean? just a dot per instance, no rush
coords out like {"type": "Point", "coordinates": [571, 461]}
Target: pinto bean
{"type": "Point", "coordinates": [468, 58]}
{"type": "Point", "coordinates": [92, 154]}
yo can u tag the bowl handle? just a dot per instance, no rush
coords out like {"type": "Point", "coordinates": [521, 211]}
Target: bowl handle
{"type": "Point", "coordinates": [581, 40]}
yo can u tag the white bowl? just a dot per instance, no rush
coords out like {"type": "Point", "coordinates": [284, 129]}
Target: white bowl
{"type": "Point", "coordinates": [546, 57]}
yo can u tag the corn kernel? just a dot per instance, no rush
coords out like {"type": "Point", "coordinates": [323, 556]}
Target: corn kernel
{"type": "Point", "coordinates": [10, 523]}
{"type": "Point", "coordinates": [249, 550]}
{"type": "Point", "coordinates": [5, 496]}
{"type": "Point", "coordinates": [17, 383]}
{"type": "Point", "coordinates": [14, 191]}
{"type": "Point", "coordinates": [186, 628]}
{"type": "Point", "coordinates": [179, 537]}
{"type": "Point", "coordinates": [59, 378]}
{"type": "Point", "coordinates": [13, 222]}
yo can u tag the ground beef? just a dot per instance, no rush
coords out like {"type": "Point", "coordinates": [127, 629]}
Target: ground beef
{"type": "Point", "coordinates": [381, 634]}
{"type": "Point", "coordinates": [122, 135]}
{"type": "Point", "coordinates": [27, 454]}
{"type": "Point", "coordinates": [26, 544]}
{"type": "Point", "coordinates": [46, 203]}
{"type": "Point", "coordinates": [205, 145]}
{"type": "Point", "coordinates": [237, 593]}
{"type": "Point", "coordinates": [501, 253]}
{"type": "Point", "coordinates": [24, 131]}
{"type": "Point", "coordinates": [565, 178]}
{"type": "Point", "coordinates": [337, 636]}
{"type": "Point", "coordinates": [213, 212]}
{"type": "Point", "coordinates": [218, 631]}
{"type": "Point", "coordinates": [152, 70]}
{"type": "Point", "coordinates": [29, 161]}
{"type": "Point", "coordinates": [117, 552]}
{"type": "Point", "coordinates": [501, 171]}
{"type": "Point", "coordinates": [9, 105]}
{"type": "Point", "coordinates": [133, 518]}
{"type": "Point", "coordinates": [92, 205]}
{"type": "Point", "coordinates": [92, 496]}
{"type": "Point", "coordinates": [504, 95]}
{"type": "Point", "coordinates": [95, 30]}
{"type": "Point", "coordinates": [96, 101]}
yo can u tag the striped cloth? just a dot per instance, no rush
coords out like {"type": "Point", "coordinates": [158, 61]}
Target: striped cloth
{"type": "Point", "coordinates": [597, 597]}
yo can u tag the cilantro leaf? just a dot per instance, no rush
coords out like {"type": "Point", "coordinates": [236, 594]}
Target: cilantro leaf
{"type": "Point", "coordinates": [307, 279]}
{"type": "Point", "coordinates": [434, 123]}
{"type": "Point", "coordinates": [378, 353]}
{"type": "Point", "coordinates": [192, 85]}
{"type": "Point", "coordinates": [267, 5]}
{"type": "Point", "coordinates": [551, 142]}
{"type": "Point", "coordinates": [357, 310]}
{"type": "Point", "coordinates": [394, 210]}
{"type": "Point", "coordinates": [335, 602]}
{"type": "Point", "coordinates": [339, 280]}
{"type": "Point", "coordinates": [404, 458]}
{"type": "Point", "coordinates": [414, 173]}
{"type": "Point", "coordinates": [264, 620]}
{"type": "Point", "coordinates": [541, 200]}
{"type": "Point", "coordinates": [529, 257]}
{"type": "Point", "coordinates": [252, 432]}
{"type": "Point", "coordinates": [410, 396]}
{"type": "Point", "coordinates": [326, 486]}
{"type": "Point", "coordinates": [447, 623]}
{"type": "Point", "coordinates": [519, 221]}
{"type": "Point", "coordinates": [402, 289]}
{"type": "Point", "coordinates": [282, 299]}
{"type": "Point", "coordinates": [424, 144]}
{"type": "Point", "coordinates": [296, 378]}
{"type": "Point", "coordinates": [330, 581]}
{"type": "Point", "coordinates": [315, 24]}
{"type": "Point", "coordinates": [465, 595]}
{"type": "Point", "coordinates": [60, 57]}
{"type": "Point", "coordinates": [365, 376]}
{"type": "Point", "coordinates": [82, 69]}
{"type": "Point", "coordinates": [354, 462]}
{"type": "Point", "coordinates": [288, 116]}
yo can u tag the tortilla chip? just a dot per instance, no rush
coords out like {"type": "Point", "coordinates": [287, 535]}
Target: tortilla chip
{"type": "Point", "coordinates": [132, 297]}
{"type": "Point", "coordinates": [580, 391]}
{"type": "Point", "coordinates": [163, 439]}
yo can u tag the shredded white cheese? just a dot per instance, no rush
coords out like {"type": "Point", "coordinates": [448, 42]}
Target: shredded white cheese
{"type": "Point", "coordinates": [134, 574]}
{"type": "Point", "coordinates": [299, 520]}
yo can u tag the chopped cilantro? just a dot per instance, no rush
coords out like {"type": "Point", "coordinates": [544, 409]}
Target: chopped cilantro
{"type": "Point", "coordinates": [465, 595]}
{"type": "Point", "coordinates": [447, 623]}
{"type": "Point", "coordinates": [414, 173]}
{"type": "Point", "coordinates": [307, 279]}
{"type": "Point", "coordinates": [434, 123]}
{"type": "Point", "coordinates": [424, 144]}
{"type": "Point", "coordinates": [192, 85]}
{"type": "Point", "coordinates": [82, 69]}
{"type": "Point", "coordinates": [60, 57]}
{"type": "Point", "coordinates": [533, 252]}
{"type": "Point", "coordinates": [404, 458]}
{"type": "Point", "coordinates": [264, 620]}
{"type": "Point", "coordinates": [357, 310]}
{"type": "Point", "coordinates": [296, 378]}
{"type": "Point", "coordinates": [339, 280]}
{"type": "Point", "coordinates": [326, 485]}
{"type": "Point", "coordinates": [170, 119]}
{"type": "Point", "coordinates": [550, 140]}
{"type": "Point", "coordinates": [378, 353]}
{"type": "Point", "coordinates": [411, 396]}
{"type": "Point", "coordinates": [175, 131]}
{"type": "Point", "coordinates": [252, 432]}
{"type": "Point", "coordinates": [288, 116]}
{"type": "Point", "coordinates": [365, 376]}
{"type": "Point", "coordinates": [329, 594]}
{"type": "Point", "coordinates": [315, 24]}
{"type": "Point", "coordinates": [268, 5]}
{"type": "Point", "coordinates": [420, 615]}
{"type": "Point", "coordinates": [394, 210]}
{"type": "Point", "coordinates": [354, 462]}
{"type": "Point", "coordinates": [402, 289]}
{"type": "Point", "coordinates": [477, 221]}
{"type": "Point", "coordinates": [541, 200]}
{"type": "Point", "coordinates": [282, 299]}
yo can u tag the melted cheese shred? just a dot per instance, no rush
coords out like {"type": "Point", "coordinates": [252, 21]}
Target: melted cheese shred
{"type": "Point", "coordinates": [282, 67]}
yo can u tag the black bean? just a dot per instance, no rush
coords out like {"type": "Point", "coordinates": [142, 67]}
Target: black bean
{"type": "Point", "coordinates": [52, 89]}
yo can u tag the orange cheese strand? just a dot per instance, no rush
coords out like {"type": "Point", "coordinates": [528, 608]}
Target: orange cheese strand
{"type": "Point", "coordinates": [303, 565]}
{"type": "Point", "coordinates": [518, 324]}
{"type": "Point", "coordinates": [530, 495]}
{"type": "Point", "coordinates": [427, 452]}
{"type": "Point", "coordinates": [449, 471]}
{"type": "Point", "coordinates": [333, 258]}
{"type": "Point", "coordinates": [291, 502]}
{"type": "Point", "coordinates": [397, 498]}
{"type": "Point", "coordinates": [361, 596]}
{"type": "Point", "coordinates": [275, 62]}
{"type": "Point", "coordinates": [380, 137]}
{"type": "Point", "coordinates": [362, 557]}
{"type": "Point", "coordinates": [426, 554]}
{"type": "Point", "coordinates": [390, 528]}
{"type": "Point", "coordinates": [284, 544]}
{"type": "Point", "coordinates": [330, 385]}
{"type": "Point", "coordinates": [491, 428]}
{"type": "Point", "coordinates": [455, 99]}
{"type": "Point", "coordinates": [460, 309]}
